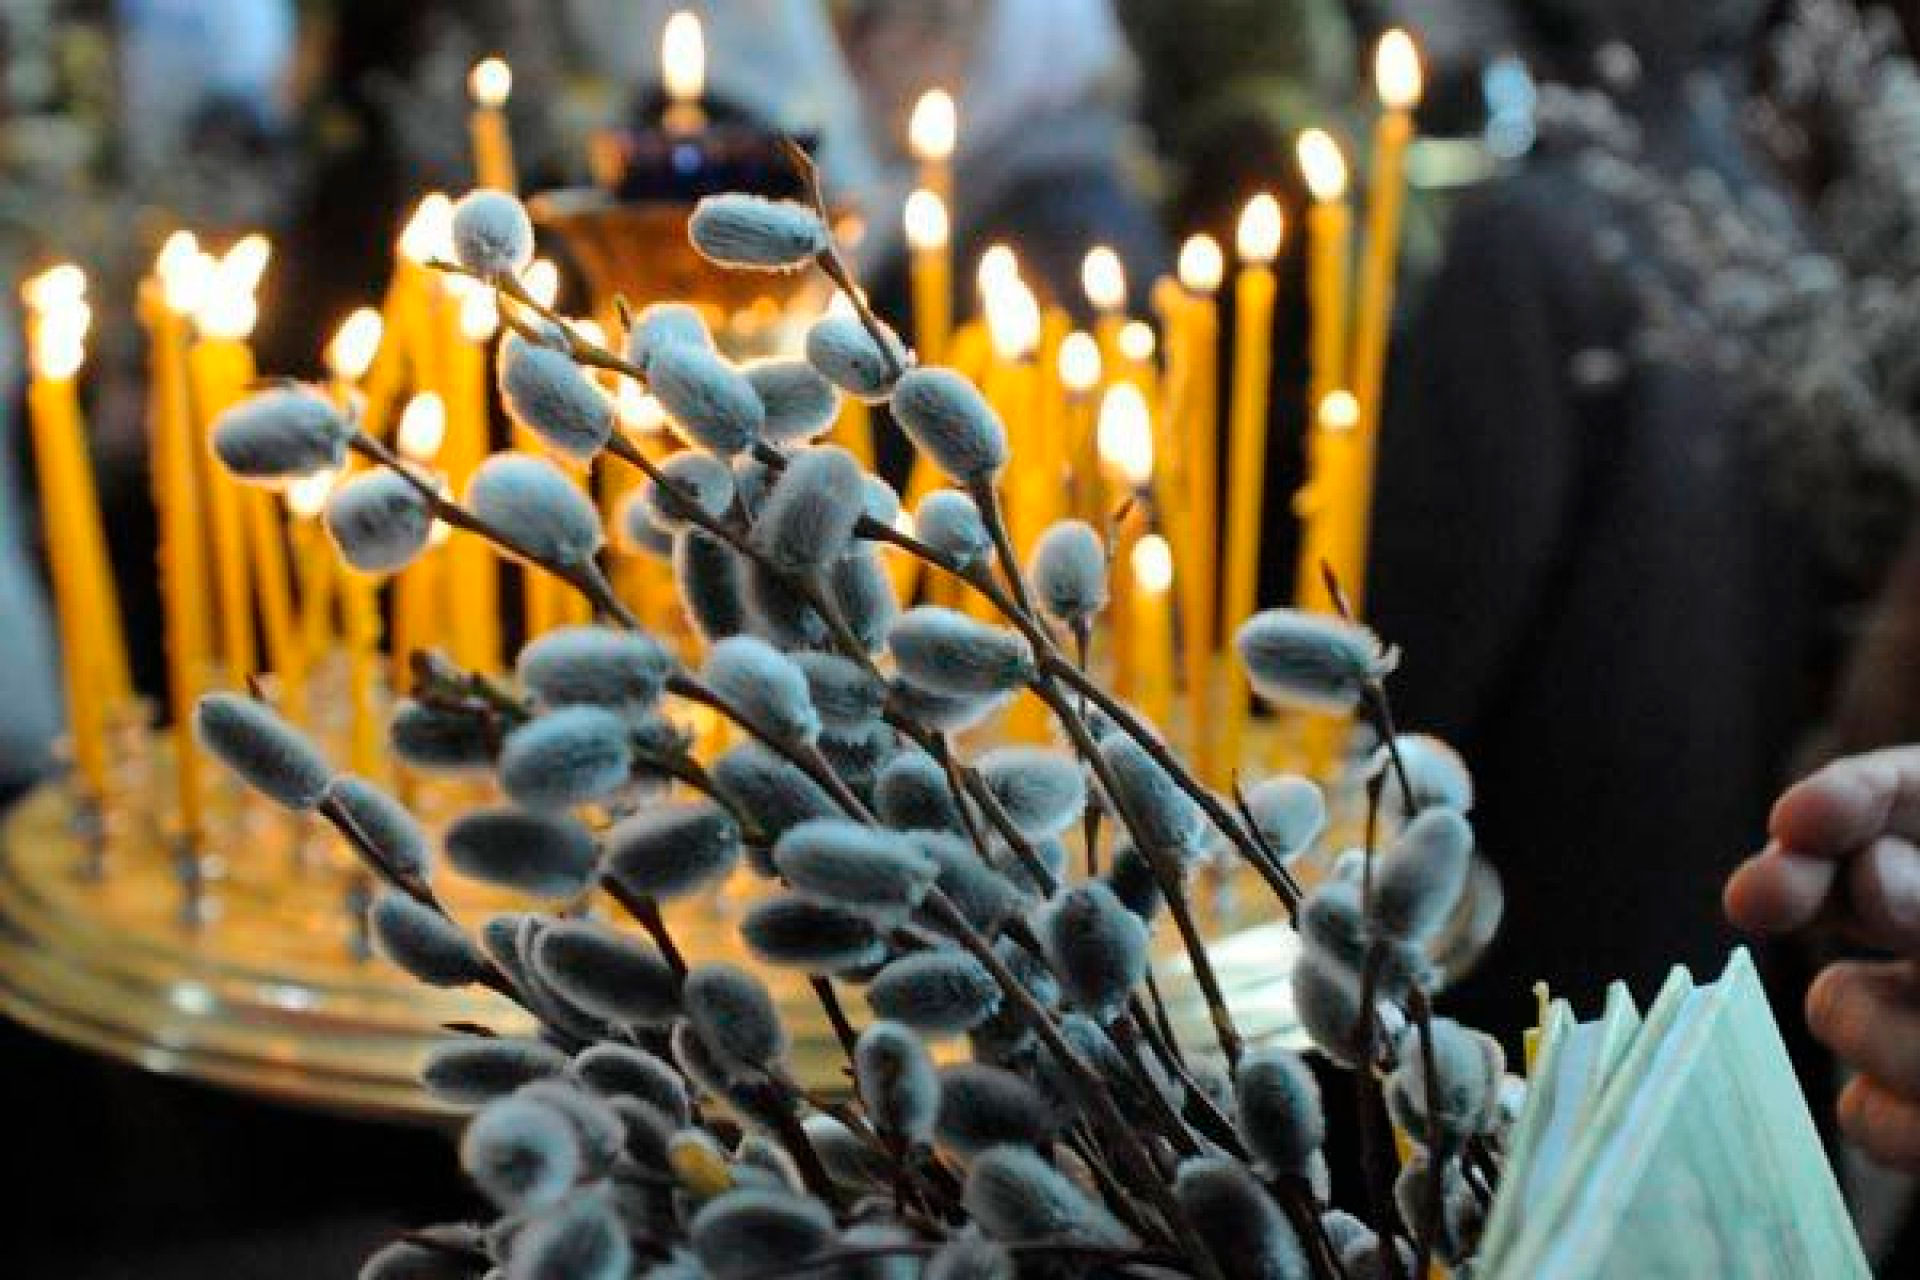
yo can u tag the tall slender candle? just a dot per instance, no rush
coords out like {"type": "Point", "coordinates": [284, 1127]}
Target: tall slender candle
{"type": "Point", "coordinates": [166, 302]}
{"type": "Point", "coordinates": [416, 600]}
{"type": "Point", "coordinates": [1202, 267]}
{"type": "Point", "coordinates": [1150, 620]}
{"type": "Point", "coordinates": [469, 579]}
{"type": "Point", "coordinates": [1398, 77]}
{"type": "Point", "coordinates": [1124, 443]}
{"type": "Point", "coordinates": [1103, 278]}
{"type": "Point", "coordinates": [1330, 455]}
{"type": "Point", "coordinates": [489, 83]}
{"type": "Point", "coordinates": [1078, 367]}
{"type": "Point", "coordinates": [314, 564]}
{"type": "Point", "coordinates": [929, 238]}
{"type": "Point", "coordinates": [1258, 242]}
{"type": "Point", "coordinates": [933, 131]}
{"type": "Point", "coordinates": [1330, 251]}
{"type": "Point", "coordinates": [1013, 388]}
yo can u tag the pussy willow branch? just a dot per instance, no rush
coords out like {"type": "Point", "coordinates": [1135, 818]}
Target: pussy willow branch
{"type": "Point", "coordinates": [832, 264]}
{"type": "Point", "coordinates": [807, 760]}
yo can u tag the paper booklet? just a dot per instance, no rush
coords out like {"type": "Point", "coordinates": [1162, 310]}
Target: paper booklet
{"type": "Point", "coordinates": [1670, 1144]}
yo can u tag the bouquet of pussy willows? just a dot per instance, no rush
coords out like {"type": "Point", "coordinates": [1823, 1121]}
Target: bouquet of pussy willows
{"type": "Point", "coordinates": [652, 1125]}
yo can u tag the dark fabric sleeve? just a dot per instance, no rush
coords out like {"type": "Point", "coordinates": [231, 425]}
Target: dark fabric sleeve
{"type": "Point", "coordinates": [1483, 452]}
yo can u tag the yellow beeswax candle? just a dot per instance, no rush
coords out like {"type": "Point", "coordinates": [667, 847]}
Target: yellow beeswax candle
{"type": "Point", "coordinates": [489, 83]}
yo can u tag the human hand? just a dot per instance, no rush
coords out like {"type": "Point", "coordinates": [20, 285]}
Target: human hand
{"type": "Point", "coordinates": [1845, 853]}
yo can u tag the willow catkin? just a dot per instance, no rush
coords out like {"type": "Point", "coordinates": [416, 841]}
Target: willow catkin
{"type": "Point", "coordinates": [911, 793]}
{"type": "Point", "coordinates": [1244, 1231]}
{"type": "Point", "coordinates": [1438, 773]}
{"type": "Point", "coordinates": [754, 1231]}
{"type": "Point", "coordinates": [473, 1071]}
{"type": "Point", "coordinates": [570, 756]}
{"type": "Point", "coordinates": [548, 394]}
{"type": "Point", "coordinates": [800, 404]}
{"type": "Point", "coordinates": [546, 854]}
{"type": "Point", "coordinates": [862, 592]}
{"type": "Point", "coordinates": [842, 351]}
{"type": "Point", "coordinates": [661, 324]}
{"type": "Point", "coordinates": [616, 1070]}
{"type": "Point", "coordinates": [623, 671]}
{"type": "Point", "coordinates": [948, 419]}
{"type": "Point", "coordinates": [537, 506]}
{"type": "Point", "coordinates": [441, 739]}
{"type": "Point", "coordinates": [794, 932]}
{"type": "Point", "coordinates": [1042, 791]}
{"type": "Point", "coordinates": [263, 750]}
{"type": "Point", "coordinates": [597, 1126]}
{"type": "Point", "coordinates": [693, 486]}
{"type": "Point", "coordinates": [1303, 659]}
{"type": "Point", "coordinates": [281, 434]}
{"type": "Point", "coordinates": [1162, 814]}
{"type": "Point", "coordinates": [492, 234]}
{"type": "Point", "coordinates": [1289, 813]}
{"type": "Point", "coordinates": [708, 402]}
{"type": "Point", "coordinates": [807, 521]}
{"type": "Point", "coordinates": [857, 866]}
{"type": "Point", "coordinates": [765, 687]}
{"type": "Point", "coordinates": [1469, 1067]}
{"type": "Point", "coordinates": [608, 974]}
{"type": "Point", "coordinates": [1280, 1112]}
{"type": "Point", "coordinates": [711, 584]}
{"type": "Point", "coordinates": [521, 1153]}
{"type": "Point", "coordinates": [584, 1240]}
{"type": "Point", "coordinates": [378, 521]}
{"type": "Point", "coordinates": [734, 1016]}
{"type": "Point", "coordinates": [1015, 1195]}
{"type": "Point", "coordinates": [948, 521]}
{"type": "Point", "coordinates": [1420, 880]}
{"type": "Point", "coordinates": [384, 823]}
{"type": "Point", "coordinates": [984, 897]}
{"type": "Point", "coordinates": [896, 1081]}
{"type": "Point", "coordinates": [752, 233]}
{"type": "Point", "coordinates": [947, 652]}
{"type": "Point", "coordinates": [778, 610]}
{"type": "Point", "coordinates": [1068, 570]}
{"type": "Point", "coordinates": [671, 849]}
{"type": "Point", "coordinates": [983, 1106]}
{"type": "Point", "coordinates": [1096, 945]}
{"type": "Point", "coordinates": [846, 694]}
{"type": "Point", "coordinates": [422, 941]}
{"type": "Point", "coordinates": [941, 992]}
{"type": "Point", "coordinates": [773, 793]}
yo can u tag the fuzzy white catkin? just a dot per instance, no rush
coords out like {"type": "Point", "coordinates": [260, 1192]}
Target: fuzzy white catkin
{"type": "Point", "coordinates": [492, 235]}
{"type": "Point", "coordinates": [754, 1231]}
{"type": "Point", "coordinates": [637, 530]}
{"type": "Point", "coordinates": [1069, 572]}
{"type": "Point", "coordinates": [711, 584]}
{"type": "Point", "coordinates": [669, 850]}
{"type": "Point", "coordinates": [596, 666]}
{"type": "Point", "coordinates": [948, 419]}
{"type": "Point", "coordinates": [1280, 1112]}
{"type": "Point", "coordinates": [607, 974]}
{"type": "Point", "coordinates": [550, 395]}
{"type": "Point", "coordinates": [896, 1081]}
{"type": "Point", "coordinates": [538, 507]}
{"type": "Point", "coordinates": [971, 1256]}
{"type": "Point", "coordinates": [765, 687]}
{"type": "Point", "coordinates": [860, 589]}
{"type": "Point", "coordinates": [1421, 879]}
{"type": "Point", "coordinates": [1164, 816]}
{"type": "Point", "coordinates": [842, 351]}
{"type": "Point", "coordinates": [949, 522]}
{"type": "Point", "coordinates": [795, 932]}
{"type": "Point", "coordinates": [614, 1070]}
{"type": "Point", "coordinates": [268, 754]}
{"type": "Point", "coordinates": [947, 652]}
{"type": "Point", "coordinates": [384, 823]}
{"type": "Point", "coordinates": [779, 610]}
{"type": "Point", "coordinates": [1288, 812]}
{"type": "Point", "coordinates": [1439, 776]}
{"type": "Point", "coordinates": [1296, 658]}
{"type": "Point", "coordinates": [808, 519]}
{"type": "Point", "coordinates": [1469, 1067]}
{"type": "Point", "coordinates": [662, 324]}
{"type": "Point", "coordinates": [1015, 1195]}
{"type": "Point", "coordinates": [944, 712]}
{"type": "Point", "coordinates": [1043, 791]}
{"type": "Point", "coordinates": [572, 756]}
{"type": "Point", "coordinates": [1096, 946]}
{"type": "Point", "coordinates": [1327, 998]}
{"type": "Point", "coordinates": [522, 1154]}
{"type": "Point", "coordinates": [707, 401]}
{"type": "Point", "coordinates": [1241, 1226]}
{"type": "Point", "coordinates": [752, 233]}
{"type": "Point", "coordinates": [379, 522]}
{"type": "Point", "coordinates": [546, 854]}
{"type": "Point", "coordinates": [472, 1072]}
{"type": "Point", "coordinates": [279, 434]}
{"type": "Point", "coordinates": [941, 992]}
{"type": "Point", "coordinates": [422, 942]}
{"type": "Point", "coordinates": [983, 1106]}
{"type": "Point", "coordinates": [985, 897]}
{"type": "Point", "coordinates": [443, 740]}
{"type": "Point", "coordinates": [698, 484]}
{"type": "Point", "coordinates": [865, 868]}
{"type": "Point", "coordinates": [912, 794]}
{"type": "Point", "coordinates": [774, 793]}
{"type": "Point", "coordinates": [734, 1016]}
{"type": "Point", "coordinates": [800, 403]}
{"type": "Point", "coordinates": [846, 694]}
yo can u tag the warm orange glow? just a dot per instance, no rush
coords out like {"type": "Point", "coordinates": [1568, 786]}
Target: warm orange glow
{"type": "Point", "coordinates": [638, 411]}
{"type": "Point", "coordinates": [1104, 279]}
{"type": "Point", "coordinates": [1079, 363]}
{"type": "Point", "coordinates": [927, 225]}
{"type": "Point", "coordinates": [229, 310]}
{"type": "Point", "coordinates": [490, 81]}
{"type": "Point", "coordinates": [1261, 228]}
{"type": "Point", "coordinates": [354, 344]}
{"type": "Point", "coordinates": [1340, 411]}
{"type": "Point", "coordinates": [996, 264]}
{"type": "Point", "coordinates": [683, 58]}
{"type": "Point", "coordinates": [934, 127]}
{"type": "Point", "coordinates": [1125, 433]}
{"type": "Point", "coordinates": [423, 427]}
{"type": "Point", "coordinates": [1136, 341]}
{"type": "Point", "coordinates": [1396, 71]}
{"type": "Point", "coordinates": [62, 318]}
{"type": "Point", "coordinates": [1153, 564]}
{"type": "Point", "coordinates": [1322, 164]}
{"type": "Point", "coordinates": [479, 315]}
{"type": "Point", "coordinates": [429, 232]}
{"type": "Point", "coordinates": [183, 272]}
{"type": "Point", "coordinates": [1013, 316]}
{"type": "Point", "coordinates": [55, 287]}
{"type": "Point", "coordinates": [307, 495]}
{"type": "Point", "coordinates": [1202, 265]}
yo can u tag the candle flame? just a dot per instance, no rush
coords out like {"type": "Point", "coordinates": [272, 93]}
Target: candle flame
{"type": "Point", "coordinates": [1124, 437]}
{"type": "Point", "coordinates": [1013, 316]}
{"type": "Point", "coordinates": [1261, 228]}
{"type": "Point", "coordinates": [637, 409]}
{"type": "Point", "coordinates": [183, 271]}
{"type": "Point", "coordinates": [683, 58]}
{"type": "Point", "coordinates": [997, 265]}
{"type": "Point", "coordinates": [542, 281]}
{"type": "Point", "coordinates": [934, 127]}
{"type": "Point", "coordinates": [1152, 563]}
{"type": "Point", "coordinates": [307, 495]}
{"type": "Point", "coordinates": [927, 225]}
{"type": "Point", "coordinates": [1104, 279]}
{"type": "Point", "coordinates": [1136, 341]}
{"type": "Point", "coordinates": [351, 350]}
{"type": "Point", "coordinates": [429, 232]}
{"type": "Point", "coordinates": [1340, 411]}
{"type": "Point", "coordinates": [1202, 264]}
{"type": "Point", "coordinates": [229, 309]}
{"type": "Point", "coordinates": [423, 426]}
{"type": "Point", "coordinates": [57, 286]}
{"type": "Point", "coordinates": [57, 297]}
{"type": "Point", "coordinates": [1079, 363]}
{"type": "Point", "coordinates": [490, 81]}
{"type": "Point", "coordinates": [1322, 164]}
{"type": "Point", "coordinates": [479, 315]}
{"type": "Point", "coordinates": [1396, 71]}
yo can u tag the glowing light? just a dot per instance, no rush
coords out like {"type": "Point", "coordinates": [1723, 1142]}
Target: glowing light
{"type": "Point", "coordinates": [1013, 317]}
{"type": "Point", "coordinates": [1104, 279]}
{"type": "Point", "coordinates": [479, 315]}
{"type": "Point", "coordinates": [926, 220]}
{"type": "Point", "coordinates": [423, 426]}
{"type": "Point", "coordinates": [246, 262]}
{"type": "Point", "coordinates": [997, 264]}
{"type": "Point", "coordinates": [934, 127]}
{"type": "Point", "coordinates": [903, 522]}
{"type": "Point", "coordinates": [1079, 363]}
{"type": "Point", "coordinates": [55, 287]}
{"type": "Point", "coordinates": [61, 320]}
{"type": "Point", "coordinates": [542, 281]}
{"type": "Point", "coordinates": [228, 310]}
{"type": "Point", "coordinates": [307, 495]}
{"type": "Point", "coordinates": [638, 411]}
{"type": "Point", "coordinates": [1202, 264]}
{"type": "Point", "coordinates": [1136, 341]}
{"type": "Point", "coordinates": [184, 273]}
{"type": "Point", "coordinates": [1125, 434]}
{"type": "Point", "coordinates": [1396, 71]}
{"type": "Point", "coordinates": [429, 232]}
{"type": "Point", "coordinates": [683, 58]}
{"type": "Point", "coordinates": [490, 81]}
{"type": "Point", "coordinates": [1340, 411]}
{"type": "Point", "coordinates": [354, 344]}
{"type": "Point", "coordinates": [1152, 564]}
{"type": "Point", "coordinates": [1262, 225]}
{"type": "Point", "coordinates": [590, 332]}
{"type": "Point", "coordinates": [1322, 164]}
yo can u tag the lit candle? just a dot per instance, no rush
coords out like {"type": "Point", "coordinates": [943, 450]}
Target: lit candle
{"type": "Point", "coordinates": [1104, 280]}
{"type": "Point", "coordinates": [416, 603]}
{"type": "Point", "coordinates": [57, 321]}
{"type": "Point", "coordinates": [1202, 267]}
{"type": "Point", "coordinates": [360, 613]}
{"type": "Point", "coordinates": [1124, 445]}
{"type": "Point", "coordinates": [313, 558]}
{"type": "Point", "coordinates": [470, 579]}
{"type": "Point", "coordinates": [489, 83]}
{"type": "Point", "coordinates": [1397, 75]}
{"type": "Point", "coordinates": [1258, 241]}
{"type": "Point", "coordinates": [933, 130]}
{"type": "Point", "coordinates": [1151, 623]}
{"type": "Point", "coordinates": [683, 72]}
{"type": "Point", "coordinates": [1013, 389]}
{"type": "Point", "coordinates": [1329, 260]}
{"type": "Point", "coordinates": [176, 292]}
{"type": "Point", "coordinates": [929, 238]}
{"type": "Point", "coordinates": [1078, 366]}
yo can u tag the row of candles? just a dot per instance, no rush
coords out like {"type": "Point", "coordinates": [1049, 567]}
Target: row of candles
{"type": "Point", "coordinates": [1120, 420]}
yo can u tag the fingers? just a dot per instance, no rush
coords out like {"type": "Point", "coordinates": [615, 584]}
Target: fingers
{"type": "Point", "coordinates": [1883, 896]}
{"type": "Point", "coordinates": [1778, 892]}
{"type": "Point", "coordinates": [1869, 1015]}
{"type": "Point", "coordinates": [1882, 1124]}
{"type": "Point", "coordinates": [1850, 803]}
